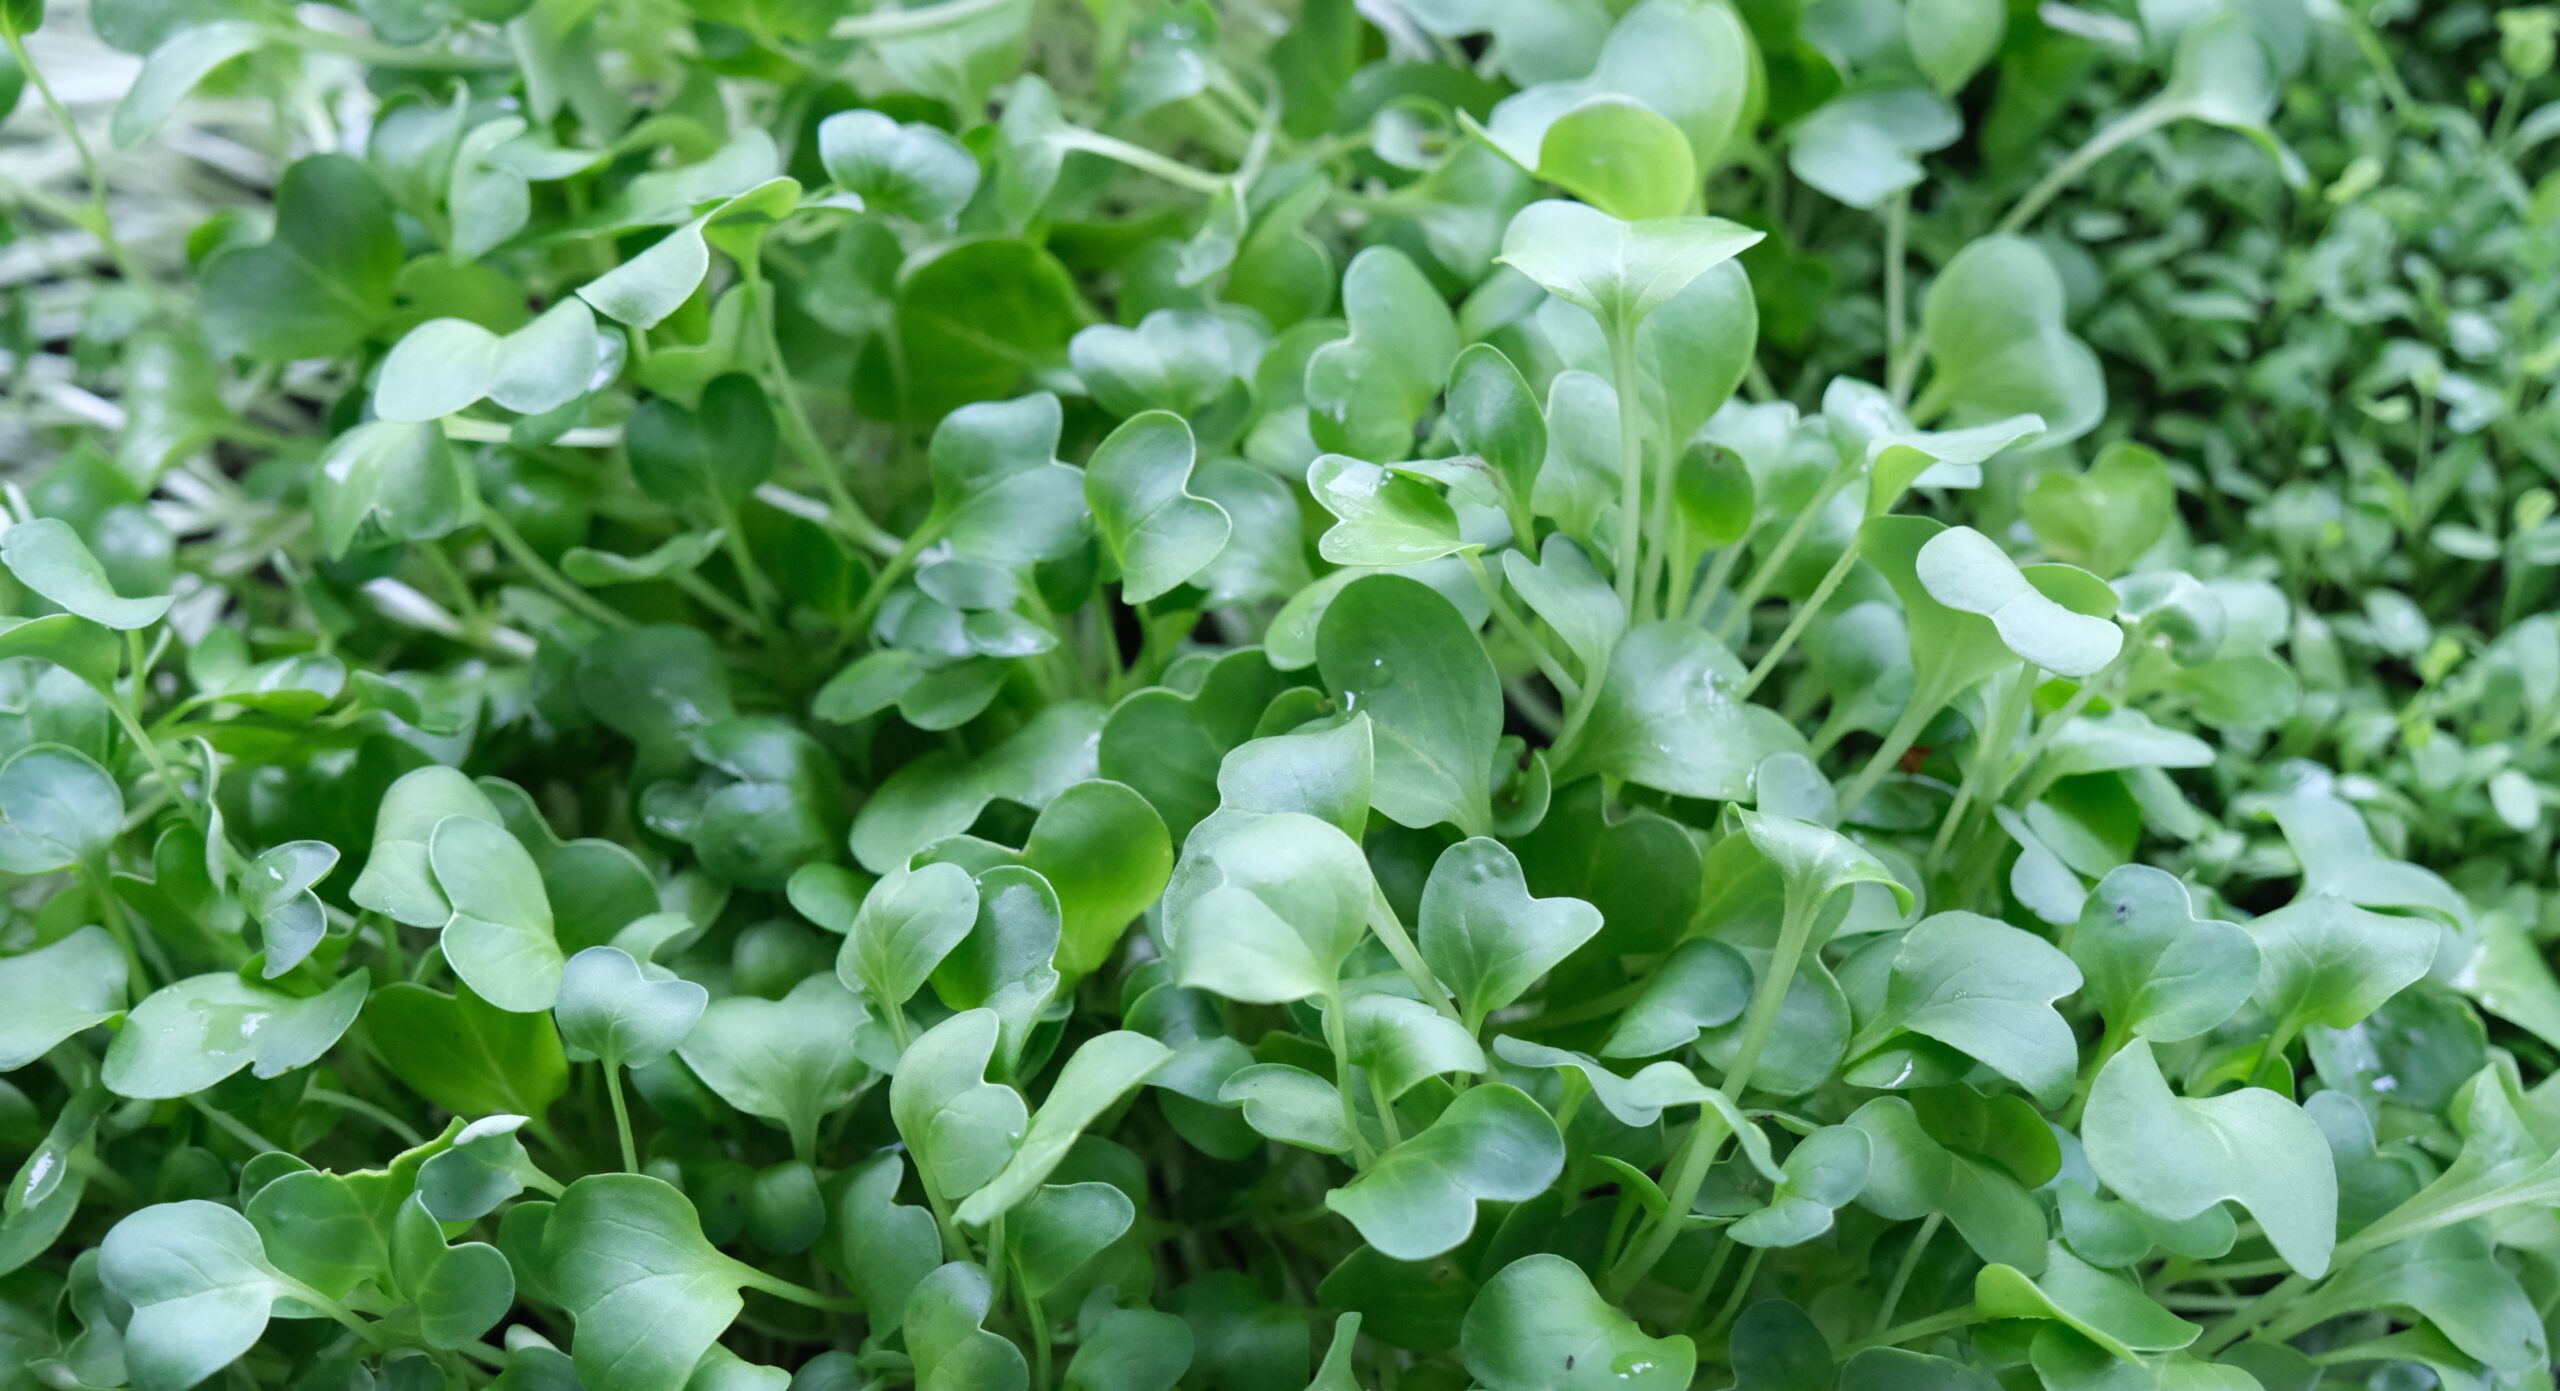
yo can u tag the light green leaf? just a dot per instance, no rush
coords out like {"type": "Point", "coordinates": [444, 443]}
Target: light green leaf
{"type": "Point", "coordinates": [1618, 155]}
{"type": "Point", "coordinates": [59, 989]}
{"type": "Point", "coordinates": [49, 557]}
{"type": "Point", "coordinates": [2153, 968]}
{"type": "Point", "coordinates": [960, 1128]}
{"type": "Point", "coordinates": [58, 809]}
{"type": "Point", "coordinates": [999, 491]}
{"type": "Point", "coordinates": [200, 1286]}
{"type": "Point", "coordinates": [1265, 907]}
{"type": "Point", "coordinates": [445, 366]}
{"type": "Point", "coordinates": [2105, 518]}
{"type": "Point", "coordinates": [190, 1034]}
{"type": "Point", "coordinates": [1911, 1174]}
{"type": "Point", "coordinates": [1290, 1105]}
{"type": "Point", "coordinates": [1399, 653]}
{"type": "Point", "coordinates": [907, 924]}
{"type": "Point", "coordinates": [1538, 1325]}
{"type": "Point", "coordinates": [625, 1256]}
{"type": "Point", "coordinates": [1483, 934]}
{"type": "Point", "coordinates": [1669, 717]}
{"type": "Point", "coordinates": [1107, 1068]}
{"type": "Point", "coordinates": [1966, 571]}
{"type": "Point", "coordinates": [1152, 526]}
{"type": "Point", "coordinates": [626, 1014]}
{"type": "Point", "coordinates": [396, 881]}
{"type": "Point", "coordinates": [644, 290]}
{"type": "Point", "coordinates": [323, 283]}
{"type": "Point", "coordinates": [1563, 587]}
{"type": "Point", "coordinates": [177, 67]}
{"type": "Point", "coordinates": [1062, 1227]}
{"type": "Point", "coordinates": [1824, 1172]}
{"type": "Point", "coordinates": [1383, 516]}
{"type": "Point", "coordinates": [399, 482]}
{"type": "Point", "coordinates": [947, 1335]}
{"type": "Point", "coordinates": [499, 938]}
{"type": "Point", "coordinates": [1863, 146]}
{"type": "Point", "coordinates": [1365, 391]}
{"type": "Point", "coordinates": [2173, 1157]}
{"type": "Point", "coordinates": [1493, 415]}
{"type": "Point", "coordinates": [2326, 961]}
{"type": "Point", "coordinates": [910, 170]}
{"type": "Point", "coordinates": [1326, 772]}
{"type": "Point", "coordinates": [1993, 320]}
{"type": "Point", "coordinates": [1987, 990]}
{"type": "Point", "coordinates": [790, 1061]}
{"type": "Point", "coordinates": [2103, 1307]}
{"type": "Point", "coordinates": [465, 1054]}
{"type": "Point", "coordinates": [1619, 271]}
{"type": "Point", "coordinates": [1493, 1144]}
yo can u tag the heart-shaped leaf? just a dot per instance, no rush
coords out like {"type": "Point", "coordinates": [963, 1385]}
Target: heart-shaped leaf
{"type": "Point", "coordinates": [2251, 1147]}
{"type": "Point", "coordinates": [960, 1127]}
{"type": "Point", "coordinates": [1485, 936]}
{"type": "Point", "coordinates": [1538, 1325]}
{"type": "Point", "coordinates": [2153, 968]}
{"type": "Point", "coordinates": [626, 1014]}
{"type": "Point", "coordinates": [200, 1286]}
{"type": "Point", "coordinates": [445, 366]}
{"type": "Point", "coordinates": [1618, 271]}
{"type": "Point", "coordinates": [1152, 526]}
{"type": "Point", "coordinates": [1399, 653]}
{"type": "Point", "coordinates": [1493, 1144]}
{"type": "Point", "coordinates": [909, 170]}
{"type": "Point", "coordinates": [61, 988]}
{"type": "Point", "coordinates": [48, 556]}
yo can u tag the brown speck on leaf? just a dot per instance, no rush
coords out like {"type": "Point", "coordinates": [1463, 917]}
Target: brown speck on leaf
{"type": "Point", "coordinates": [1914, 757]}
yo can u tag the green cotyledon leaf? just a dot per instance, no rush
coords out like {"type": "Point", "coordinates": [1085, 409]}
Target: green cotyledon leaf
{"type": "Point", "coordinates": [1552, 694]}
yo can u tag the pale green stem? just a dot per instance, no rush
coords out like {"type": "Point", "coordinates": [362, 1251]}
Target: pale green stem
{"type": "Point", "coordinates": [1898, 740]}
{"type": "Point", "coordinates": [1719, 574]}
{"type": "Point", "coordinates": [891, 573]}
{"type": "Point", "coordinates": [1733, 1301]}
{"type": "Point", "coordinates": [96, 222]}
{"type": "Point", "coordinates": [1622, 368]}
{"type": "Point", "coordinates": [782, 1289]}
{"type": "Point", "coordinates": [751, 577]}
{"type": "Point", "coordinates": [803, 435]}
{"type": "Point", "coordinates": [621, 1117]}
{"type": "Point", "coordinates": [1897, 219]}
{"type": "Point", "coordinates": [1399, 944]}
{"type": "Point", "coordinates": [1140, 158]}
{"type": "Point", "coordinates": [1987, 752]}
{"type": "Point", "coordinates": [401, 1130]}
{"type": "Point", "coordinates": [1698, 1152]}
{"type": "Point", "coordinates": [1764, 572]}
{"type": "Point", "coordinates": [383, 55]}
{"type": "Point", "coordinates": [1337, 1037]}
{"type": "Point", "coordinates": [922, 19]}
{"type": "Point", "coordinates": [2114, 135]}
{"type": "Point", "coordinates": [2052, 725]}
{"type": "Point", "coordinates": [233, 1126]}
{"type": "Point", "coordinates": [1386, 1108]}
{"type": "Point", "coordinates": [541, 572]}
{"type": "Point", "coordinates": [2266, 1306]}
{"type": "Point", "coordinates": [1902, 1273]}
{"type": "Point", "coordinates": [1519, 628]}
{"type": "Point", "coordinates": [1962, 1316]}
{"type": "Point", "coordinates": [703, 592]}
{"type": "Point", "coordinates": [1801, 619]}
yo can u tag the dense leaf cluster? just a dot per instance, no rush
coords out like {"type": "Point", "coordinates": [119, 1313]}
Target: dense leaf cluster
{"type": "Point", "coordinates": [1816, 695]}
